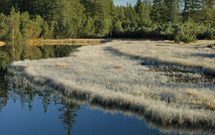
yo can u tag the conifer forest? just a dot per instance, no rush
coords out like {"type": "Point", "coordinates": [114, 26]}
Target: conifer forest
{"type": "Point", "coordinates": [178, 20]}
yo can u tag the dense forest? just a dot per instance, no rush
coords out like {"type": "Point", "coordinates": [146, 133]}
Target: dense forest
{"type": "Point", "coordinates": [179, 20]}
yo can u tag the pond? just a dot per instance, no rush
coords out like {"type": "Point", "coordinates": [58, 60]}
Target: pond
{"type": "Point", "coordinates": [24, 110]}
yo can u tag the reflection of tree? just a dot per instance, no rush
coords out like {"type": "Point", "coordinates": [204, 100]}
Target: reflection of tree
{"type": "Point", "coordinates": [69, 110]}
{"type": "Point", "coordinates": [4, 88]}
{"type": "Point", "coordinates": [45, 96]}
{"type": "Point", "coordinates": [32, 52]}
{"type": "Point", "coordinates": [27, 95]}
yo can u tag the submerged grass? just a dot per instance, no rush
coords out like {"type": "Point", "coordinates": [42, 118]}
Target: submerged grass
{"type": "Point", "coordinates": [93, 76]}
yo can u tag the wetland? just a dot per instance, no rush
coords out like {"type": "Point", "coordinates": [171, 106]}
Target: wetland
{"type": "Point", "coordinates": [134, 80]}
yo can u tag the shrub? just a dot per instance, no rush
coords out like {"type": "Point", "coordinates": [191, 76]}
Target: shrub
{"type": "Point", "coordinates": [185, 33]}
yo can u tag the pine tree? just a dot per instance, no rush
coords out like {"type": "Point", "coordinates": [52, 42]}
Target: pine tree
{"type": "Point", "coordinates": [130, 14]}
{"type": "Point", "coordinates": [4, 28]}
{"type": "Point", "coordinates": [159, 13]}
{"type": "Point", "coordinates": [147, 7]}
{"type": "Point", "coordinates": [139, 8]}
{"type": "Point", "coordinates": [126, 24]}
{"type": "Point", "coordinates": [120, 11]}
{"type": "Point", "coordinates": [173, 10]}
{"type": "Point", "coordinates": [192, 9]}
{"type": "Point", "coordinates": [117, 29]}
{"type": "Point", "coordinates": [208, 11]}
{"type": "Point", "coordinates": [89, 28]}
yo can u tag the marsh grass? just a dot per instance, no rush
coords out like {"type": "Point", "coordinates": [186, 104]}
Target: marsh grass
{"type": "Point", "coordinates": [134, 87]}
{"type": "Point", "coordinates": [191, 55]}
{"type": "Point", "coordinates": [211, 105]}
{"type": "Point", "coordinates": [193, 93]}
{"type": "Point", "coordinates": [117, 67]}
{"type": "Point", "coordinates": [61, 65]}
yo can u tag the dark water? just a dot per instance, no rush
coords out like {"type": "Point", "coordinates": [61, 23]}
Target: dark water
{"type": "Point", "coordinates": [26, 111]}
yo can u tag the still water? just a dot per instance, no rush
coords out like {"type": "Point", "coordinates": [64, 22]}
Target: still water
{"type": "Point", "coordinates": [26, 111]}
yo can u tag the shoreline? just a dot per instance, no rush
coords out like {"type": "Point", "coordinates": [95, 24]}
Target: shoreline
{"type": "Point", "coordinates": [100, 75]}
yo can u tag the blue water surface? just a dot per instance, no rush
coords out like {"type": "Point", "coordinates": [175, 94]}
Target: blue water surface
{"type": "Point", "coordinates": [31, 112]}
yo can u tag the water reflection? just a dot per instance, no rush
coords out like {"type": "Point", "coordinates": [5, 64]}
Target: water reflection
{"type": "Point", "coordinates": [4, 88]}
{"type": "Point", "coordinates": [70, 105]}
{"type": "Point", "coordinates": [33, 52]}
{"type": "Point", "coordinates": [9, 90]}
{"type": "Point", "coordinates": [151, 124]}
{"type": "Point", "coordinates": [69, 110]}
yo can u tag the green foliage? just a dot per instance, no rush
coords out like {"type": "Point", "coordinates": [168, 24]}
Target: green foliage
{"type": "Point", "coordinates": [38, 25]}
{"type": "Point", "coordinates": [4, 28]}
{"type": "Point", "coordinates": [169, 31]}
{"type": "Point", "coordinates": [30, 29]}
{"type": "Point", "coordinates": [210, 33]}
{"type": "Point", "coordinates": [13, 21]}
{"type": "Point", "coordinates": [101, 26]}
{"type": "Point", "coordinates": [89, 28]}
{"type": "Point", "coordinates": [96, 18]}
{"type": "Point", "coordinates": [117, 28]}
{"type": "Point", "coordinates": [126, 24]}
{"type": "Point", "coordinates": [186, 33]}
{"type": "Point", "coordinates": [159, 13]}
{"type": "Point", "coordinates": [47, 32]}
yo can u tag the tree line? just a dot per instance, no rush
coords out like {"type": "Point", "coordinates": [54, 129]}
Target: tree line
{"type": "Point", "coordinates": [179, 20]}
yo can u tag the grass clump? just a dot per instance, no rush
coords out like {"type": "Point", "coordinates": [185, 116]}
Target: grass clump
{"type": "Point", "coordinates": [117, 67]}
{"type": "Point", "coordinates": [193, 93]}
{"type": "Point", "coordinates": [61, 65]}
{"type": "Point", "coordinates": [211, 106]}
